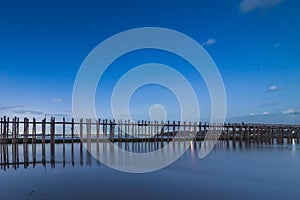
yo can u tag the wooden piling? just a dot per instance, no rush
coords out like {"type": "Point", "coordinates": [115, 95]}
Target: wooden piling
{"type": "Point", "coordinates": [72, 131]}
{"type": "Point", "coordinates": [162, 131]}
{"type": "Point", "coordinates": [126, 129]}
{"type": "Point", "coordinates": [64, 130]}
{"type": "Point", "coordinates": [184, 130]}
{"type": "Point", "coordinates": [234, 133]}
{"type": "Point", "coordinates": [112, 130]}
{"type": "Point", "coordinates": [1, 128]}
{"type": "Point", "coordinates": [119, 130]}
{"type": "Point", "coordinates": [158, 132]}
{"type": "Point", "coordinates": [173, 132]}
{"type": "Point", "coordinates": [25, 142]}
{"type": "Point", "coordinates": [43, 130]}
{"type": "Point", "coordinates": [241, 130]}
{"type": "Point", "coordinates": [148, 131]}
{"type": "Point", "coordinates": [52, 142]}
{"type": "Point", "coordinates": [33, 142]}
{"type": "Point", "coordinates": [52, 130]}
{"type": "Point", "coordinates": [298, 135]}
{"type": "Point", "coordinates": [81, 128]}
{"type": "Point", "coordinates": [98, 130]}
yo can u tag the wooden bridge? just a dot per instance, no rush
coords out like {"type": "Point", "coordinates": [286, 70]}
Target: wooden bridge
{"type": "Point", "coordinates": [21, 138]}
{"type": "Point", "coordinates": [26, 131]}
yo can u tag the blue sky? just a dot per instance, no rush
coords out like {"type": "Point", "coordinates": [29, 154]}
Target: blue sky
{"type": "Point", "coordinates": [255, 45]}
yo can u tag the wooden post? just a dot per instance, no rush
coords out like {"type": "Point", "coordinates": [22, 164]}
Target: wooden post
{"type": "Point", "coordinates": [33, 141]}
{"type": "Point", "coordinates": [52, 130]}
{"type": "Point", "coordinates": [241, 132]}
{"type": "Point", "coordinates": [81, 128]}
{"type": "Point", "coordinates": [268, 135]}
{"type": "Point", "coordinates": [88, 130]}
{"type": "Point", "coordinates": [151, 129]}
{"type": "Point", "coordinates": [162, 131]}
{"type": "Point", "coordinates": [290, 135]}
{"type": "Point", "coordinates": [128, 129]}
{"type": "Point", "coordinates": [81, 138]}
{"type": "Point", "coordinates": [52, 141]}
{"type": "Point", "coordinates": [72, 140]}
{"type": "Point", "coordinates": [248, 134]}
{"type": "Point", "coordinates": [282, 135]}
{"type": "Point", "coordinates": [178, 130]}
{"type": "Point", "coordinates": [134, 132]}
{"type": "Point", "coordinates": [111, 131]}
{"type": "Point", "coordinates": [277, 135]}
{"type": "Point", "coordinates": [204, 131]}
{"type": "Point", "coordinates": [72, 131]}
{"type": "Point", "coordinates": [6, 144]}
{"type": "Point", "coordinates": [1, 129]}
{"type": "Point", "coordinates": [13, 146]}
{"type": "Point", "coordinates": [33, 131]}
{"type": "Point", "coordinates": [64, 145]}
{"type": "Point", "coordinates": [155, 130]}
{"type": "Point", "coordinates": [168, 131]}
{"type": "Point", "coordinates": [98, 130]}
{"type": "Point", "coordinates": [17, 140]}
{"type": "Point", "coordinates": [25, 132]}
{"type": "Point", "coordinates": [1, 142]}
{"type": "Point", "coordinates": [145, 126]}
{"type": "Point", "coordinates": [234, 133]}
{"type": "Point", "coordinates": [298, 135]}
{"type": "Point", "coordinates": [88, 133]}
{"type": "Point", "coordinates": [119, 130]}
{"type": "Point", "coordinates": [195, 131]}
{"type": "Point", "coordinates": [13, 136]}
{"type": "Point", "coordinates": [25, 144]}
{"type": "Point", "coordinates": [64, 130]}
{"type": "Point", "coordinates": [272, 135]}
{"type": "Point", "coordinates": [138, 129]}
{"type": "Point", "coordinates": [228, 132]}
{"type": "Point", "coordinates": [189, 129]}
{"type": "Point", "coordinates": [7, 129]}
{"type": "Point", "coordinates": [126, 135]}
{"type": "Point", "coordinates": [43, 130]}
{"type": "Point", "coordinates": [173, 133]}
{"type": "Point", "coordinates": [104, 126]}
{"type": "Point", "coordinates": [184, 130]}
{"type": "Point", "coordinates": [198, 136]}
{"type": "Point", "coordinates": [142, 128]}
{"type": "Point", "coordinates": [149, 133]}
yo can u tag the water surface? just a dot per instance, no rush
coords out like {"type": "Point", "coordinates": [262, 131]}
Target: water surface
{"type": "Point", "coordinates": [241, 172]}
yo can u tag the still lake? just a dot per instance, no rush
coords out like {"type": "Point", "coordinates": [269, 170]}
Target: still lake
{"type": "Point", "coordinates": [256, 171]}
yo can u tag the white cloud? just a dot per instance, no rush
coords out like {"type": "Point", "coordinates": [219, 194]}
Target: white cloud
{"type": "Point", "coordinates": [252, 114]}
{"type": "Point", "coordinates": [57, 114]}
{"type": "Point", "coordinates": [290, 111]}
{"type": "Point", "coordinates": [272, 88]}
{"type": "Point", "coordinates": [57, 100]}
{"type": "Point", "coordinates": [209, 42]}
{"type": "Point", "coordinates": [276, 45]}
{"type": "Point", "coordinates": [250, 5]}
{"type": "Point", "coordinates": [265, 113]}
{"type": "Point", "coordinates": [28, 112]}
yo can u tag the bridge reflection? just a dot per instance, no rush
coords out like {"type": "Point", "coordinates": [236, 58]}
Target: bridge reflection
{"type": "Point", "coordinates": [14, 155]}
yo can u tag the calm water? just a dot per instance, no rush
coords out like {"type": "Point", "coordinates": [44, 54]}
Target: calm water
{"type": "Point", "coordinates": [256, 171]}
